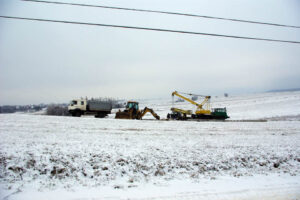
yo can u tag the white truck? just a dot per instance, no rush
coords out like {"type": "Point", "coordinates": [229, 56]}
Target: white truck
{"type": "Point", "coordinates": [99, 108]}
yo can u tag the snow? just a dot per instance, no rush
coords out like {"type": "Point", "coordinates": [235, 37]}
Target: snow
{"type": "Point", "coordinates": [258, 187]}
{"type": "Point", "coordinates": [90, 158]}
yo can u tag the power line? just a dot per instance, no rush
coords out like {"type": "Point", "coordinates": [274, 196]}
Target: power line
{"type": "Point", "coordinates": [167, 12]}
{"type": "Point", "coordinates": [150, 29]}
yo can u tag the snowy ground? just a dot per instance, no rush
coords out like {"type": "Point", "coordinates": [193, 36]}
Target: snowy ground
{"type": "Point", "coordinates": [46, 157]}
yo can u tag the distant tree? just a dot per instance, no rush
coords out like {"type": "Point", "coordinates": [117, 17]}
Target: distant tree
{"type": "Point", "coordinates": [194, 98]}
{"type": "Point", "coordinates": [114, 102]}
{"type": "Point", "coordinates": [58, 110]}
{"type": "Point", "coordinates": [8, 109]}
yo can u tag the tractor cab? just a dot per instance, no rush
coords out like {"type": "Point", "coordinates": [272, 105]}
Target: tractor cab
{"type": "Point", "coordinates": [132, 104]}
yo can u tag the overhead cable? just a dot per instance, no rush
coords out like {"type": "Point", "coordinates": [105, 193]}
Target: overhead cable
{"type": "Point", "coordinates": [150, 29]}
{"type": "Point", "coordinates": [167, 12]}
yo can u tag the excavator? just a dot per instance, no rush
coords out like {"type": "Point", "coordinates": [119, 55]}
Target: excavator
{"type": "Point", "coordinates": [203, 110]}
{"type": "Point", "coordinates": [132, 112]}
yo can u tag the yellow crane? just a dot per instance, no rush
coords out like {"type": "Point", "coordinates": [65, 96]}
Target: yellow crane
{"type": "Point", "coordinates": [203, 110]}
{"type": "Point", "coordinates": [200, 109]}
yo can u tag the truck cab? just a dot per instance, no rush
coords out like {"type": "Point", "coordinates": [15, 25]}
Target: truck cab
{"type": "Point", "coordinates": [77, 107]}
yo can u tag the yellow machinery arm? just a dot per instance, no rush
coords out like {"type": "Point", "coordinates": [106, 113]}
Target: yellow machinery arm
{"type": "Point", "coordinates": [143, 112]}
{"type": "Point", "coordinates": [206, 100]}
{"type": "Point", "coordinates": [200, 109]}
{"type": "Point", "coordinates": [187, 112]}
{"type": "Point", "coordinates": [187, 99]}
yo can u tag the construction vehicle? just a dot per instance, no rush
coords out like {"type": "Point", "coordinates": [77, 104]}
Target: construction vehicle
{"type": "Point", "coordinates": [132, 111]}
{"type": "Point", "coordinates": [203, 110]}
{"type": "Point", "coordinates": [99, 108]}
{"type": "Point", "coordinates": [179, 114]}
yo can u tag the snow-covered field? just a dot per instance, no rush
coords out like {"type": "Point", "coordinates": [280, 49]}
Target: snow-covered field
{"type": "Point", "coordinates": [47, 157]}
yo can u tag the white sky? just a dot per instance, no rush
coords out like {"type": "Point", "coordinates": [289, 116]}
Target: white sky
{"type": "Point", "coordinates": [49, 62]}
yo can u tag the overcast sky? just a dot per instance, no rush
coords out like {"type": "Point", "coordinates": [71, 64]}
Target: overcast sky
{"type": "Point", "coordinates": [50, 62]}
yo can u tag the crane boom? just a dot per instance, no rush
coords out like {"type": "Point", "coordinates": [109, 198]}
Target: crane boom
{"type": "Point", "coordinates": [200, 109]}
{"type": "Point", "coordinates": [187, 99]}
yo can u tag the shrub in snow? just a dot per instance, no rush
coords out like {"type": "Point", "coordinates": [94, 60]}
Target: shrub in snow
{"type": "Point", "coordinates": [57, 110]}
